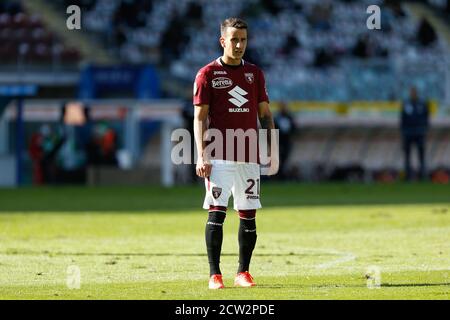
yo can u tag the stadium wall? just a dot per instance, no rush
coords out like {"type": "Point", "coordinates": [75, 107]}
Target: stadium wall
{"type": "Point", "coordinates": [332, 138]}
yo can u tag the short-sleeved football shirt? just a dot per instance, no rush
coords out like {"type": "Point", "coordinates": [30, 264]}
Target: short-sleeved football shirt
{"type": "Point", "coordinates": [233, 94]}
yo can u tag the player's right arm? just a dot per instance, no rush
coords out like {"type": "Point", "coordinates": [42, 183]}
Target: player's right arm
{"type": "Point", "coordinates": [201, 101]}
{"type": "Point", "coordinates": [203, 168]}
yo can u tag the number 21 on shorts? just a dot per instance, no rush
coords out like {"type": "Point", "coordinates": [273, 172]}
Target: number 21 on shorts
{"type": "Point", "coordinates": [252, 183]}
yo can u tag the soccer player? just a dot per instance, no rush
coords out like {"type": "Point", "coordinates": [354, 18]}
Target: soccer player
{"type": "Point", "coordinates": [230, 94]}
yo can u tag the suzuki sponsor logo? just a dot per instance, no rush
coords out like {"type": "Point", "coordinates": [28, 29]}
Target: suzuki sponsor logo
{"type": "Point", "coordinates": [238, 96]}
{"type": "Point", "coordinates": [238, 110]}
{"type": "Point", "coordinates": [221, 83]}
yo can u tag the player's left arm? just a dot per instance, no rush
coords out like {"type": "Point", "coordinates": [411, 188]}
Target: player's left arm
{"type": "Point", "coordinates": [266, 121]}
{"type": "Point", "coordinates": [265, 116]}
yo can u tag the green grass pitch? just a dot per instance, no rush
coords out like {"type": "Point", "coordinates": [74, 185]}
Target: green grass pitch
{"type": "Point", "coordinates": [314, 242]}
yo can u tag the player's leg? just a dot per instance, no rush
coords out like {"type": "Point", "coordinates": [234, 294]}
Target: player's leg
{"type": "Point", "coordinates": [246, 201]}
{"type": "Point", "coordinates": [247, 238]}
{"type": "Point", "coordinates": [247, 241]}
{"type": "Point", "coordinates": [218, 191]}
{"type": "Point", "coordinates": [407, 156]}
{"type": "Point", "coordinates": [420, 141]}
{"type": "Point", "coordinates": [214, 237]}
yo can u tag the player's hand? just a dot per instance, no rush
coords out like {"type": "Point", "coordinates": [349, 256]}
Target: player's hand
{"type": "Point", "coordinates": [203, 168]}
{"type": "Point", "coordinates": [273, 166]}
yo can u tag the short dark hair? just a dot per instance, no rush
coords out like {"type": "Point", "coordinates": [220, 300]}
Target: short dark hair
{"type": "Point", "coordinates": [232, 23]}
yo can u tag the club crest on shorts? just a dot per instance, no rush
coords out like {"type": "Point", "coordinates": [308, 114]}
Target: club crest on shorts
{"type": "Point", "coordinates": [216, 192]}
{"type": "Point", "coordinates": [249, 77]}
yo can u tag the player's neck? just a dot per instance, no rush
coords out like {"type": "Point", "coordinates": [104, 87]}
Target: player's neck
{"type": "Point", "coordinates": [230, 62]}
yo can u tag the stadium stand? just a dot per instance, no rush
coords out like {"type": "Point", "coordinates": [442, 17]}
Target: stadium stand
{"type": "Point", "coordinates": [297, 42]}
{"type": "Point", "coordinates": [26, 39]}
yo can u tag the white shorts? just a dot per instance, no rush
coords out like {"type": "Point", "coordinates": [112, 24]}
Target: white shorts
{"type": "Point", "coordinates": [242, 180]}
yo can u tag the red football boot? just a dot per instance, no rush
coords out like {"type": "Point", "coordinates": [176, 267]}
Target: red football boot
{"type": "Point", "coordinates": [216, 282]}
{"type": "Point", "coordinates": [244, 279]}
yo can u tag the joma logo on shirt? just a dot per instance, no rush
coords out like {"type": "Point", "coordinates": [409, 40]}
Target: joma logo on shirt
{"type": "Point", "coordinates": [221, 83]}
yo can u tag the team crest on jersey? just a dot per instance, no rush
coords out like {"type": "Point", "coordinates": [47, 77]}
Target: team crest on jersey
{"type": "Point", "coordinates": [216, 192]}
{"type": "Point", "coordinates": [221, 83]}
{"type": "Point", "coordinates": [249, 77]}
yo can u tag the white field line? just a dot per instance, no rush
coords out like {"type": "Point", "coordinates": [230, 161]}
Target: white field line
{"type": "Point", "coordinates": [345, 257]}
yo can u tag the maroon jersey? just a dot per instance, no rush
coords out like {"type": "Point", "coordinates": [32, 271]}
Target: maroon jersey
{"type": "Point", "coordinates": [233, 94]}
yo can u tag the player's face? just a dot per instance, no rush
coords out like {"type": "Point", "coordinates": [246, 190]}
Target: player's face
{"type": "Point", "coordinates": [234, 43]}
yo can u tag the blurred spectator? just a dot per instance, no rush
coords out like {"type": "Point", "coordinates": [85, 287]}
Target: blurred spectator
{"type": "Point", "coordinates": [291, 43]}
{"type": "Point", "coordinates": [11, 7]}
{"type": "Point", "coordinates": [108, 146]}
{"type": "Point", "coordinates": [173, 39]}
{"type": "Point", "coordinates": [251, 9]}
{"type": "Point", "coordinates": [271, 6]}
{"type": "Point", "coordinates": [132, 13]}
{"type": "Point", "coordinates": [414, 124]}
{"type": "Point", "coordinates": [120, 36]}
{"type": "Point", "coordinates": [85, 133]}
{"type": "Point", "coordinates": [425, 33]}
{"type": "Point", "coordinates": [366, 47]}
{"type": "Point", "coordinates": [194, 14]}
{"type": "Point", "coordinates": [43, 150]}
{"type": "Point", "coordinates": [251, 55]}
{"type": "Point", "coordinates": [324, 58]}
{"type": "Point", "coordinates": [284, 122]}
{"type": "Point", "coordinates": [92, 151]}
{"type": "Point", "coordinates": [396, 8]}
{"type": "Point", "coordinates": [361, 48]}
{"type": "Point", "coordinates": [321, 16]}
{"type": "Point", "coordinates": [297, 7]}
{"type": "Point", "coordinates": [102, 148]}
{"type": "Point", "coordinates": [35, 149]}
